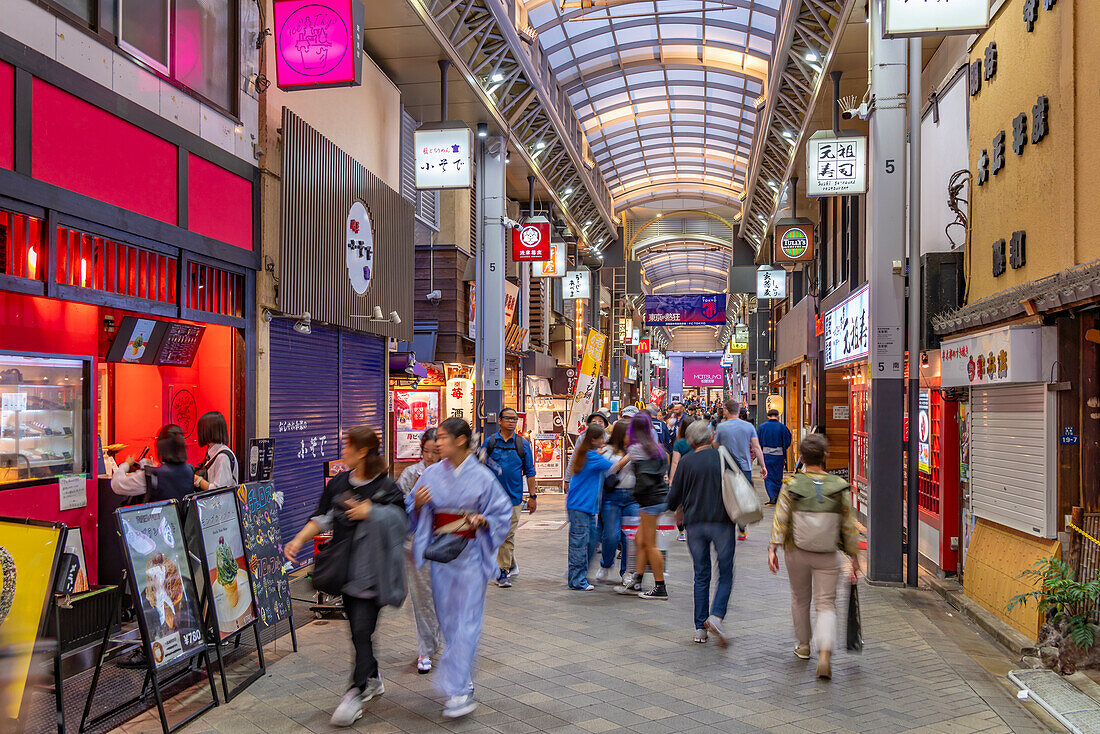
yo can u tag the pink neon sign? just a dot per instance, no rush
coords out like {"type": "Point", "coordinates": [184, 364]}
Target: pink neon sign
{"type": "Point", "coordinates": [318, 43]}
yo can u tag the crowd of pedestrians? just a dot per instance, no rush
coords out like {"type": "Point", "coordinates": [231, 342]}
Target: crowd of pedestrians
{"type": "Point", "coordinates": [446, 528]}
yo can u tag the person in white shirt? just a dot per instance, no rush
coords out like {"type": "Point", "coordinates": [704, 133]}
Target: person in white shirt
{"type": "Point", "coordinates": [219, 466]}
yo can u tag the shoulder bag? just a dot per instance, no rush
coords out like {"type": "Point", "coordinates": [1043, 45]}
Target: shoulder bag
{"type": "Point", "coordinates": [738, 495]}
{"type": "Point", "coordinates": [330, 566]}
{"type": "Point", "coordinates": [650, 487]}
{"type": "Point", "coordinates": [447, 544]}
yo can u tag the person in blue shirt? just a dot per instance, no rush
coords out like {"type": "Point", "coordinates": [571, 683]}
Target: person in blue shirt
{"type": "Point", "coordinates": [510, 457]}
{"type": "Point", "coordinates": [775, 439]}
{"type": "Point", "coordinates": [582, 504]}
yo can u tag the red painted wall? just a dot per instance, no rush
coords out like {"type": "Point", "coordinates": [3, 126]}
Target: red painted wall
{"type": "Point", "coordinates": [42, 325]}
{"type": "Point", "coordinates": [7, 116]}
{"type": "Point", "coordinates": [219, 203]}
{"type": "Point", "coordinates": [82, 148]}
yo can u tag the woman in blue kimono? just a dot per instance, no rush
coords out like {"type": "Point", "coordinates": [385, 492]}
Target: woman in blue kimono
{"type": "Point", "coordinates": [460, 491]}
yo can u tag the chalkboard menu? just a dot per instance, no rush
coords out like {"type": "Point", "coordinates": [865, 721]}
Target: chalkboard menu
{"type": "Point", "coordinates": [180, 345]}
{"type": "Point", "coordinates": [260, 503]}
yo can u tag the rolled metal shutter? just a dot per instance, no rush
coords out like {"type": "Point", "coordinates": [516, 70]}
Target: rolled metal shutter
{"type": "Point", "coordinates": [305, 418]}
{"type": "Point", "coordinates": [363, 378]}
{"type": "Point", "coordinates": [1012, 461]}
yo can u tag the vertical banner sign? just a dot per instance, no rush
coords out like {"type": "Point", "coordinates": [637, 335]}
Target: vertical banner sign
{"type": "Point", "coordinates": [511, 298]}
{"type": "Point", "coordinates": [460, 398]}
{"type": "Point", "coordinates": [28, 560]}
{"type": "Point", "coordinates": [318, 43]}
{"type": "Point", "coordinates": [924, 433]}
{"type": "Point", "coordinates": [531, 240]}
{"type": "Point", "coordinates": [223, 546]}
{"type": "Point", "coordinates": [152, 535]}
{"type": "Point", "coordinates": [471, 310]}
{"type": "Point", "coordinates": [587, 381]}
{"type": "Point", "coordinates": [260, 504]}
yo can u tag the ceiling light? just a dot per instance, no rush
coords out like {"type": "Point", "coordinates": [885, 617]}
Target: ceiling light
{"type": "Point", "coordinates": [788, 135]}
{"type": "Point", "coordinates": [811, 56]}
{"type": "Point", "coordinates": [482, 130]}
{"type": "Point", "coordinates": [540, 145]}
{"type": "Point", "coordinates": [569, 191]}
{"type": "Point", "coordinates": [498, 77]}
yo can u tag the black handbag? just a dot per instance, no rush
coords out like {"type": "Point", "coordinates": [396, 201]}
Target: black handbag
{"type": "Point", "coordinates": [447, 546]}
{"type": "Point", "coordinates": [330, 566]}
{"type": "Point", "coordinates": [650, 487]}
{"type": "Point", "coordinates": [855, 627]}
{"type": "Point", "coordinates": [610, 483]}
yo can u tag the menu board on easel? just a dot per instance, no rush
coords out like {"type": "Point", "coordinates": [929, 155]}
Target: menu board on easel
{"type": "Point", "coordinates": [224, 560]}
{"type": "Point", "coordinates": [260, 503]}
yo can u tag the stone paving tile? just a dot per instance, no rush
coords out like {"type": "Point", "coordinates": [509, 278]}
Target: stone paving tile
{"type": "Point", "coordinates": [597, 663]}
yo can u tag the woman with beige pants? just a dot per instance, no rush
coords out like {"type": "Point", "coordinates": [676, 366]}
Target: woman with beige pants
{"type": "Point", "coordinates": [814, 522]}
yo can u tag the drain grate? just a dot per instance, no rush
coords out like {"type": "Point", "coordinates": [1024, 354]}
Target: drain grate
{"type": "Point", "coordinates": [1072, 707]}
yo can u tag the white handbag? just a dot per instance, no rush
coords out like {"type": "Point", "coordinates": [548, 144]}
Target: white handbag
{"type": "Point", "coordinates": [738, 494]}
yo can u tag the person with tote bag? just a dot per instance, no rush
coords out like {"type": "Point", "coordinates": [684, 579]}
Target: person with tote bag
{"type": "Point", "coordinates": [814, 522]}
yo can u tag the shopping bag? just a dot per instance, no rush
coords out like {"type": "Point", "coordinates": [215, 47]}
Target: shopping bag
{"type": "Point", "coordinates": [855, 628]}
{"type": "Point", "coordinates": [738, 495]}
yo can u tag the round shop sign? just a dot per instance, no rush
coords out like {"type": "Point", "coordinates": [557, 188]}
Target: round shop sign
{"type": "Point", "coordinates": [360, 248]}
{"type": "Point", "coordinates": [794, 243]}
{"type": "Point", "coordinates": [530, 236]}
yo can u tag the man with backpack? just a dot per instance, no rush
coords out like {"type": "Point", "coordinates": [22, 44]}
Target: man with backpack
{"type": "Point", "coordinates": [510, 458]}
{"type": "Point", "coordinates": [813, 521]}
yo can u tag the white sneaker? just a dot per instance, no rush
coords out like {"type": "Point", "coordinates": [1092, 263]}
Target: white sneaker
{"type": "Point", "coordinates": [601, 575]}
{"type": "Point", "coordinates": [350, 709]}
{"type": "Point", "coordinates": [714, 624]}
{"type": "Point", "coordinates": [459, 706]}
{"type": "Point", "coordinates": [374, 689]}
{"type": "Point", "coordinates": [423, 665]}
{"type": "Point", "coordinates": [701, 636]}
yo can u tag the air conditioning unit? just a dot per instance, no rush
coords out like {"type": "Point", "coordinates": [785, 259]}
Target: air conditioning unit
{"type": "Point", "coordinates": [942, 287]}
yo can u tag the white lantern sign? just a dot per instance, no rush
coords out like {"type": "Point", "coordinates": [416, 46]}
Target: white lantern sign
{"type": "Point", "coordinates": [444, 158]}
{"type": "Point", "coordinates": [771, 283]}
{"type": "Point", "coordinates": [836, 166]}
{"type": "Point", "coordinates": [555, 266]}
{"type": "Point", "coordinates": [576, 284]}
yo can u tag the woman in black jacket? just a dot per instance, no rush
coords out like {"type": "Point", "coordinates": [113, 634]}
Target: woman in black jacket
{"type": "Point", "coordinates": [172, 480]}
{"type": "Point", "coordinates": [347, 500]}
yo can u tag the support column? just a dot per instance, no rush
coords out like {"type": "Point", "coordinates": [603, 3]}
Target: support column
{"type": "Point", "coordinates": [912, 490]}
{"type": "Point", "coordinates": [886, 250]}
{"type": "Point", "coordinates": [489, 344]}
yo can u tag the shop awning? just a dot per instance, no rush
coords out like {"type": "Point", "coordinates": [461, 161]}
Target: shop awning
{"type": "Point", "coordinates": [1054, 293]}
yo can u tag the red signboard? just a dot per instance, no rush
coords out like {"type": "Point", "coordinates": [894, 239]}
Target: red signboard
{"type": "Point", "coordinates": [643, 346]}
{"type": "Point", "coordinates": [531, 242]}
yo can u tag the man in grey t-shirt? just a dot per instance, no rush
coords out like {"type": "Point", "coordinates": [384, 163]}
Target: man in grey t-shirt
{"type": "Point", "coordinates": [740, 439]}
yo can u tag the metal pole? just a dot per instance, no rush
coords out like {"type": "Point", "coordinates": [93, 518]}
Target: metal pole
{"type": "Point", "coordinates": [489, 341]}
{"type": "Point", "coordinates": [835, 76]}
{"type": "Point", "coordinates": [885, 256]}
{"type": "Point", "coordinates": [444, 67]}
{"type": "Point", "coordinates": [912, 495]}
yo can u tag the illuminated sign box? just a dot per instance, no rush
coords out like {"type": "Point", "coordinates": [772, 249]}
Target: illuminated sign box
{"type": "Point", "coordinates": [575, 284]}
{"type": "Point", "coordinates": [907, 18]}
{"type": "Point", "coordinates": [836, 166]}
{"type": "Point", "coordinates": [444, 156]}
{"type": "Point", "coordinates": [554, 267]}
{"type": "Point", "coordinates": [847, 329]}
{"type": "Point", "coordinates": [794, 242]}
{"type": "Point", "coordinates": [531, 241]}
{"type": "Point", "coordinates": [318, 43]}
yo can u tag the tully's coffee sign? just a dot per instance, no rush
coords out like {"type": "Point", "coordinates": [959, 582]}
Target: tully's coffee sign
{"type": "Point", "coordinates": [531, 240]}
{"type": "Point", "coordinates": [360, 248]}
{"type": "Point", "coordinates": [318, 43]}
{"type": "Point", "coordinates": [794, 243]}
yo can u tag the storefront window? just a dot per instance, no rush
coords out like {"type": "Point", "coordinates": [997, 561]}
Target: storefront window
{"type": "Point", "coordinates": [20, 245]}
{"type": "Point", "coordinates": [83, 9]}
{"type": "Point", "coordinates": [41, 418]}
{"type": "Point", "coordinates": [144, 31]}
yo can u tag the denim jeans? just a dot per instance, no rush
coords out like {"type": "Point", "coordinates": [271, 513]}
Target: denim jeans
{"type": "Point", "coordinates": [700, 537]}
{"type": "Point", "coordinates": [617, 504]}
{"type": "Point", "coordinates": [582, 546]}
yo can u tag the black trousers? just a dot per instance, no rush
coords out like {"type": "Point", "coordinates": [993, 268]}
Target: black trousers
{"type": "Point", "coordinates": [362, 618]}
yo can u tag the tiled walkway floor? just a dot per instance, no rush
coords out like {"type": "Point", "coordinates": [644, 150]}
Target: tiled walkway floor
{"type": "Point", "coordinates": [563, 661]}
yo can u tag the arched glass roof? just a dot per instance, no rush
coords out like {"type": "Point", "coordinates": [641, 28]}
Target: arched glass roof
{"type": "Point", "coordinates": [665, 89]}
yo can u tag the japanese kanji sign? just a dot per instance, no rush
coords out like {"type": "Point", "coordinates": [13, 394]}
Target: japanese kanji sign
{"type": "Point", "coordinates": [847, 330]}
{"type": "Point", "coordinates": [771, 283]}
{"type": "Point", "coordinates": [588, 380]}
{"type": "Point", "coordinates": [444, 158]}
{"type": "Point", "coordinates": [575, 284]}
{"type": "Point", "coordinates": [554, 266]}
{"type": "Point", "coordinates": [703, 309]}
{"type": "Point", "coordinates": [531, 242]}
{"type": "Point", "coordinates": [359, 255]}
{"type": "Point", "coordinates": [836, 166]}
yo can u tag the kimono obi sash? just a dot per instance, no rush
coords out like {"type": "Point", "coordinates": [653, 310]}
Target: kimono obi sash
{"type": "Point", "coordinates": [453, 522]}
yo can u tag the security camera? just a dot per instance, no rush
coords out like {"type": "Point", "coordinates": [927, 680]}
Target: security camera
{"type": "Point", "coordinates": [435, 297]}
{"type": "Point", "coordinates": [850, 110]}
{"type": "Point", "coordinates": [395, 317]}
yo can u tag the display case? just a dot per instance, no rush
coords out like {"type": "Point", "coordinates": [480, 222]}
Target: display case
{"type": "Point", "coordinates": [43, 413]}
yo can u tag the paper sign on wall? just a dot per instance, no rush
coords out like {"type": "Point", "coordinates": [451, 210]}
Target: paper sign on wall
{"type": "Point", "coordinates": [72, 491]}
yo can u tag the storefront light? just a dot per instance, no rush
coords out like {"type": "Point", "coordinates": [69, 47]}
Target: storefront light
{"type": "Point", "coordinates": [83, 272]}
{"type": "Point", "coordinates": [32, 262]}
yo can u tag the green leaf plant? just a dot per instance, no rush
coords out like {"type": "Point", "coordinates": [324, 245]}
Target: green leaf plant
{"type": "Point", "coordinates": [1068, 605]}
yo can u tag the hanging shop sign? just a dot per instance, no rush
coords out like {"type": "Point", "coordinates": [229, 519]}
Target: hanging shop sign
{"type": "Point", "coordinates": [847, 327]}
{"type": "Point", "coordinates": [318, 43]}
{"type": "Point", "coordinates": [260, 504]}
{"type": "Point", "coordinates": [657, 396]}
{"type": "Point", "coordinates": [576, 284]}
{"type": "Point", "coordinates": [630, 370]}
{"type": "Point", "coordinates": [727, 360]}
{"type": "Point", "coordinates": [705, 309]}
{"type": "Point", "coordinates": [359, 239]}
{"type": "Point", "coordinates": [225, 562]}
{"type": "Point", "coordinates": [471, 310]}
{"type": "Point", "coordinates": [1012, 354]}
{"type": "Point", "coordinates": [588, 380]}
{"type": "Point", "coordinates": [626, 328]}
{"type": "Point", "coordinates": [531, 240]}
{"type": "Point", "coordinates": [905, 18]}
{"type": "Point", "coordinates": [163, 587]}
{"type": "Point", "coordinates": [549, 451]}
{"type": "Point", "coordinates": [553, 266]}
{"type": "Point", "coordinates": [511, 298]}
{"type": "Point", "coordinates": [740, 342]}
{"type": "Point", "coordinates": [924, 434]}
{"type": "Point", "coordinates": [794, 242]}
{"type": "Point", "coordinates": [414, 411]}
{"type": "Point", "coordinates": [702, 372]}
{"type": "Point", "coordinates": [771, 283]}
{"type": "Point", "coordinates": [460, 398]}
{"type": "Point", "coordinates": [28, 560]}
{"type": "Point", "coordinates": [444, 157]}
{"type": "Point", "coordinates": [836, 166]}
{"type": "Point", "coordinates": [643, 346]}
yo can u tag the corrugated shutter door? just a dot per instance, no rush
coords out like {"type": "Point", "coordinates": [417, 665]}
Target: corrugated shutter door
{"type": "Point", "coordinates": [305, 418]}
{"type": "Point", "coordinates": [1011, 457]}
{"type": "Point", "coordinates": [363, 381]}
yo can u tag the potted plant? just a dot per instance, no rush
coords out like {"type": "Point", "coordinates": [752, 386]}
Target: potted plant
{"type": "Point", "coordinates": [1068, 636]}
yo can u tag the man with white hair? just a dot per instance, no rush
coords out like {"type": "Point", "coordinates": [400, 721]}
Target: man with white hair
{"type": "Point", "coordinates": [697, 494]}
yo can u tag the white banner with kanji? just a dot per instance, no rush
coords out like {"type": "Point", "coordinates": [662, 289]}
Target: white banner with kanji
{"type": "Point", "coordinates": [588, 380]}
